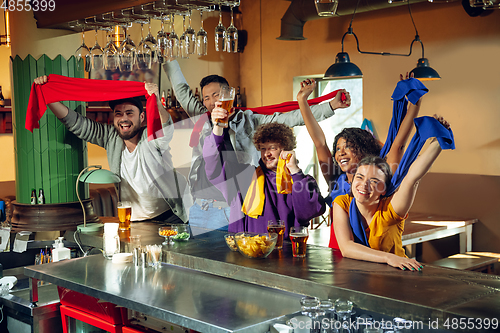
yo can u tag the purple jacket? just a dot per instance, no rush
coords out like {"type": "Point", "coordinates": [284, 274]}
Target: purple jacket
{"type": "Point", "coordinates": [233, 180]}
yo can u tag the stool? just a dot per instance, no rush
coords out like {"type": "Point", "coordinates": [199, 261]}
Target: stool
{"type": "Point", "coordinates": [69, 312]}
{"type": "Point", "coordinates": [482, 262]}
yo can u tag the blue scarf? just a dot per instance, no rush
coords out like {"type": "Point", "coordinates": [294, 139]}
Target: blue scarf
{"type": "Point", "coordinates": [413, 89]}
{"type": "Point", "coordinates": [426, 127]}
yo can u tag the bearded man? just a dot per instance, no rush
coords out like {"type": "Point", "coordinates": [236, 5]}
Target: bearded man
{"type": "Point", "coordinates": [148, 179]}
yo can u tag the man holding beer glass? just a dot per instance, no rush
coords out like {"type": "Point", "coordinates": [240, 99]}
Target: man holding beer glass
{"type": "Point", "coordinates": [210, 208]}
{"type": "Point", "coordinates": [254, 194]}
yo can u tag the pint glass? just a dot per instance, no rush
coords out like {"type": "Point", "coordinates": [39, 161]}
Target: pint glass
{"type": "Point", "coordinates": [277, 227]}
{"type": "Point", "coordinates": [124, 214]}
{"type": "Point", "coordinates": [298, 237]}
{"type": "Point", "coordinates": [226, 97]}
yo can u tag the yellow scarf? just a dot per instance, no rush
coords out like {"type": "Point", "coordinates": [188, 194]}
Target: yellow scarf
{"type": "Point", "coordinates": [253, 205]}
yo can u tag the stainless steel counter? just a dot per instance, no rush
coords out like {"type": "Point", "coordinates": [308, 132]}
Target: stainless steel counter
{"type": "Point", "coordinates": [204, 302]}
{"type": "Point", "coordinates": [273, 284]}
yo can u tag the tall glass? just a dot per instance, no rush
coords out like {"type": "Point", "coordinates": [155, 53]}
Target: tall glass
{"type": "Point", "coordinates": [124, 214]}
{"type": "Point", "coordinates": [299, 236]}
{"type": "Point", "coordinates": [277, 227]}
{"type": "Point", "coordinates": [226, 97]}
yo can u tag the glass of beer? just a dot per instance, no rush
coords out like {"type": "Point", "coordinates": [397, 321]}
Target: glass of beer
{"type": "Point", "coordinates": [226, 97]}
{"type": "Point", "coordinates": [299, 236]}
{"type": "Point", "coordinates": [277, 227]}
{"type": "Point", "coordinates": [124, 214]}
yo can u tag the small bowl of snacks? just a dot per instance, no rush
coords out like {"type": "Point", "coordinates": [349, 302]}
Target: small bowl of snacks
{"type": "Point", "coordinates": [168, 232]}
{"type": "Point", "coordinates": [230, 241]}
{"type": "Point", "coordinates": [182, 233]}
{"type": "Point", "coordinates": [255, 245]}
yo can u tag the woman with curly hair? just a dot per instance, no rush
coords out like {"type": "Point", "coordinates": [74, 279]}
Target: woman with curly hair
{"type": "Point", "coordinates": [353, 144]}
{"type": "Point", "coordinates": [258, 195]}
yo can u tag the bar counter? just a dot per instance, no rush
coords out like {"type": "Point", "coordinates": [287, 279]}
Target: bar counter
{"type": "Point", "coordinates": [203, 272]}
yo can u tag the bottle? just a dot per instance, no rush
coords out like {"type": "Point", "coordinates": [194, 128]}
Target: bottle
{"type": "Point", "coordinates": [2, 99]}
{"type": "Point", "coordinates": [169, 100]}
{"type": "Point", "coordinates": [110, 240]}
{"type": "Point", "coordinates": [59, 252]}
{"type": "Point", "coordinates": [41, 197]}
{"type": "Point", "coordinates": [33, 196]}
{"type": "Point", "coordinates": [238, 98]}
{"type": "Point", "coordinates": [197, 94]}
{"type": "Point", "coordinates": [163, 101]}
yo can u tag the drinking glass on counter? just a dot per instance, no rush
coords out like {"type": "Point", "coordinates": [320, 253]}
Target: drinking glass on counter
{"type": "Point", "coordinates": [299, 236]}
{"type": "Point", "coordinates": [124, 214]}
{"type": "Point", "coordinates": [277, 227]}
{"type": "Point", "coordinates": [226, 97]}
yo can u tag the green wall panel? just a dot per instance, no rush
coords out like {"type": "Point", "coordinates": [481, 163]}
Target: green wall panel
{"type": "Point", "coordinates": [51, 157]}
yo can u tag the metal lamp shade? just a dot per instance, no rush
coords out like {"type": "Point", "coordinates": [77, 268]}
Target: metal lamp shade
{"type": "Point", "coordinates": [99, 176]}
{"type": "Point", "coordinates": [343, 67]}
{"type": "Point", "coordinates": [424, 72]}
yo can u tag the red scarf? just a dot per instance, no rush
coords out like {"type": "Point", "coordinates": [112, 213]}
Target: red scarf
{"type": "Point", "coordinates": [61, 88]}
{"type": "Point", "coordinates": [269, 109]}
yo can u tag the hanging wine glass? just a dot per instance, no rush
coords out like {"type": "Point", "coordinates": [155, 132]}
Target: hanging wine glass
{"type": "Point", "coordinates": [110, 54]}
{"type": "Point", "coordinates": [174, 39]}
{"type": "Point", "coordinates": [184, 46]}
{"type": "Point", "coordinates": [144, 53]}
{"type": "Point", "coordinates": [201, 39]}
{"type": "Point", "coordinates": [162, 42]}
{"type": "Point", "coordinates": [96, 54]}
{"type": "Point", "coordinates": [82, 55]}
{"type": "Point", "coordinates": [231, 36]}
{"type": "Point", "coordinates": [150, 41]}
{"type": "Point", "coordinates": [127, 54]}
{"type": "Point", "coordinates": [220, 33]}
{"type": "Point", "coordinates": [190, 36]}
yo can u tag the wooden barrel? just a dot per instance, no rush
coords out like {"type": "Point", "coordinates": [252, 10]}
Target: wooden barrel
{"type": "Point", "coordinates": [51, 217]}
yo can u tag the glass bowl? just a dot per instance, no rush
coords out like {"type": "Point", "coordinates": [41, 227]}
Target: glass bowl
{"type": "Point", "coordinates": [255, 245]}
{"type": "Point", "coordinates": [183, 233]}
{"type": "Point", "coordinates": [230, 242]}
{"type": "Point", "coordinates": [168, 232]}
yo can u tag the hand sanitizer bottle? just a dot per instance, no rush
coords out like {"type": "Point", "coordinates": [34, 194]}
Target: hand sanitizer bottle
{"type": "Point", "coordinates": [60, 252]}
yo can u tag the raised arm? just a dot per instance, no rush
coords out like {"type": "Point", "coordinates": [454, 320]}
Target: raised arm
{"type": "Point", "coordinates": [398, 146]}
{"type": "Point", "coordinates": [315, 132]}
{"type": "Point", "coordinates": [403, 198]}
{"type": "Point", "coordinates": [58, 109]}
{"type": "Point", "coordinates": [353, 250]}
{"type": "Point", "coordinates": [152, 88]}
{"type": "Point", "coordinates": [182, 91]}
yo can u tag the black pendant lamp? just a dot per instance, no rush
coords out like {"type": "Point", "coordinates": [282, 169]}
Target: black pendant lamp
{"type": "Point", "coordinates": [424, 72]}
{"type": "Point", "coordinates": [343, 67]}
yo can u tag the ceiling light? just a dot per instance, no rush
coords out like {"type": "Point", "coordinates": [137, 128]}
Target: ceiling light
{"type": "Point", "coordinates": [343, 67]}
